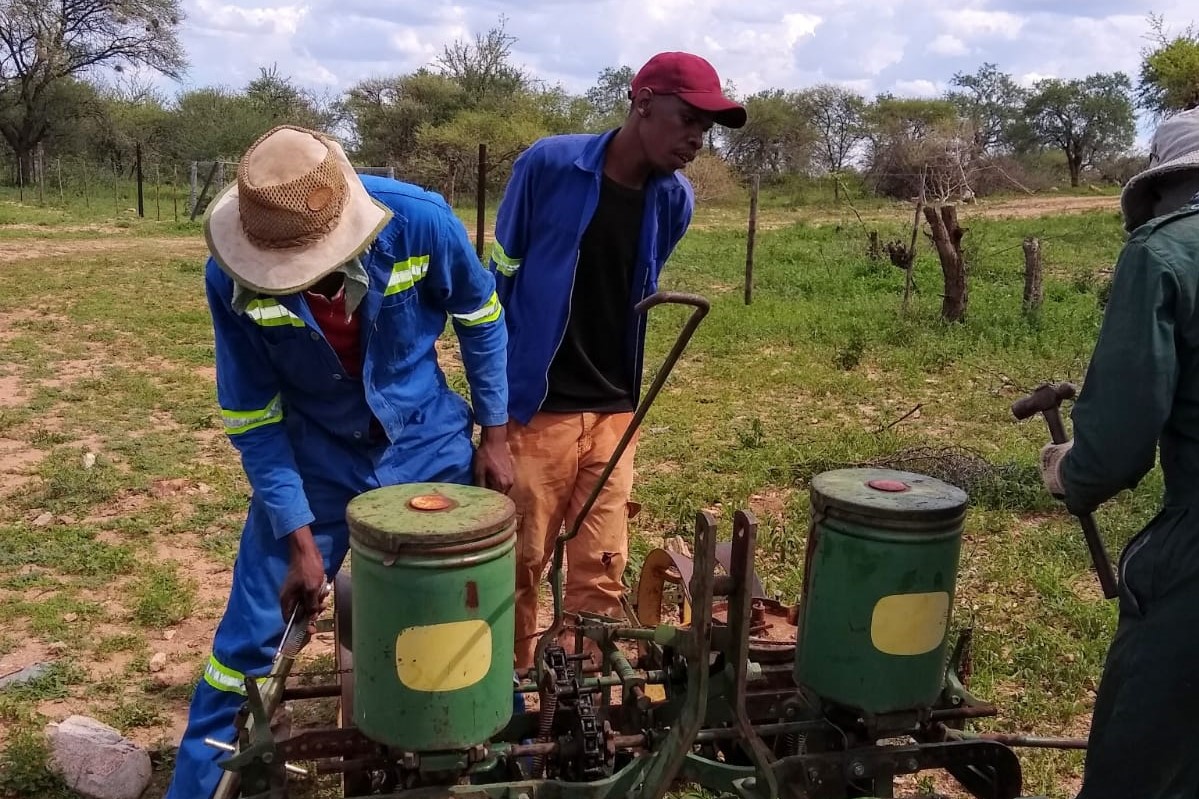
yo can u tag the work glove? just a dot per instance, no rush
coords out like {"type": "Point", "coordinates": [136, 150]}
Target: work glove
{"type": "Point", "coordinates": [1052, 456]}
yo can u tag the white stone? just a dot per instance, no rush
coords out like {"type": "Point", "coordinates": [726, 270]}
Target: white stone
{"type": "Point", "coordinates": [96, 761]}
{"type": "Point", "coordinates": [158, 662]}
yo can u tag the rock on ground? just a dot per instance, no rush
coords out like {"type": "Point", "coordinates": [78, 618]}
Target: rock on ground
{"type": "Point", "coordinates": [96, 761]}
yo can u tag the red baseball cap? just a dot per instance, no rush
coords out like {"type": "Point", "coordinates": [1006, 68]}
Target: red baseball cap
{"type": "Point", "coordinates": [694, 81]}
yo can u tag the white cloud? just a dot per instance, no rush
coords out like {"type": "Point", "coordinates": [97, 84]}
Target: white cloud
{"type": "Point", "coordinates": [917, 88]}
{"type": "Point", "coordinates": [887, 49]}
{"type": "Point", "coordinates": [947, 44]}
{"type": "Point", "coordinates": [1029, 78]}
{"type": "Point", "coordinates": [972, 22]}
{"type": "Point", "coordinates": [262, 21]}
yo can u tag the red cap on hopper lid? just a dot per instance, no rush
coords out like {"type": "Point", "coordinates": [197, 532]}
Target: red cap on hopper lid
{"type": "Point", "coordinates": [694, 81]}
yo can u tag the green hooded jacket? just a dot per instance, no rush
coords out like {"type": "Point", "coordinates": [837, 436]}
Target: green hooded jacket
{"type": "Point", "coordinates": [1142, 386]}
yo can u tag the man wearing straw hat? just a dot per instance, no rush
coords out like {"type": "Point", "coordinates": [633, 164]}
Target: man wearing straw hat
{"type": "Point", "coordinates": [328, 291]}
{"type": "Point", "coordinates": [1141, 394]}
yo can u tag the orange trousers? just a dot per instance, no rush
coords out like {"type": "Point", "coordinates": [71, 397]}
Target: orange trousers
{"type": "Point", "coordinates": [558, 459]}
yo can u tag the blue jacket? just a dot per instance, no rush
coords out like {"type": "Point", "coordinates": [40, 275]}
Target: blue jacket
{"type": "Point", "coordinates": [288, 405]}
{"type": "Point", "coordinates": [546, 208]}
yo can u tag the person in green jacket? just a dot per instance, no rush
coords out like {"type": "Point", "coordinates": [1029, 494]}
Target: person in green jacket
{"type": "Point", "coordinates": [1141, 393]}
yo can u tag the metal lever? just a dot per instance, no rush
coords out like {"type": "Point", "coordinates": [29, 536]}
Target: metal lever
{"type": "Point", "coordinates": [1047, 400]}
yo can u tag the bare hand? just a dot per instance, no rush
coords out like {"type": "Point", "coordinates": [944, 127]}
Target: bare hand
{"type": "Point", "coordinates": [304, 585]}
{"type": "Point", "coordinates": [493, 460]}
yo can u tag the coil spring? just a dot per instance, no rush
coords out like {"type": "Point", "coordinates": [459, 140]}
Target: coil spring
{"type": "Point", "coordinates": [794, 744]}
{"type": "Point", "coordinates": [545, 727]}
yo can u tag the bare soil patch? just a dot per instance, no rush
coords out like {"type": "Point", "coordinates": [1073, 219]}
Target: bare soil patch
{"type": "Point", "coordinates": [32, 248]}
{"type": "Point", "coordinates": [18, 460]}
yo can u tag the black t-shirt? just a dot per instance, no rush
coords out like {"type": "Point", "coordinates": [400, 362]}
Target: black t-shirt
{"type": "Point", "coordinates": [590, 372]}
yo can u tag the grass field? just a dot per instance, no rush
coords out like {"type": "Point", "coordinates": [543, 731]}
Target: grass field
{"type": "Point", "coordinates": [121, 501]}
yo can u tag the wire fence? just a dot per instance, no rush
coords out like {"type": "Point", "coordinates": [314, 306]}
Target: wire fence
{"type": "Point", "coordinates": [148, 188]}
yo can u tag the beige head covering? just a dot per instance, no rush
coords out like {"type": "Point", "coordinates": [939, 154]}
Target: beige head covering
{"type": "Point", "coordinates": [1173, 152]}
{"type": "Point", "coordinates": [297, 212]}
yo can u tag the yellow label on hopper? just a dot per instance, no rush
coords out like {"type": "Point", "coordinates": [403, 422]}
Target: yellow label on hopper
{"type": "Point", "coordinates": [443, 657]}
{"type": "Point", "coordinates": [910, 624]}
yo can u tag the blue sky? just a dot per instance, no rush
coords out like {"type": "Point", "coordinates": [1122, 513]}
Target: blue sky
{"type": "Point", "coordinates": [910, 47]}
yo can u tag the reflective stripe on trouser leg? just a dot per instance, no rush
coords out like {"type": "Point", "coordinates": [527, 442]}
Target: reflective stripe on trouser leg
{"type": "Point", "coordinates": [245, 642]}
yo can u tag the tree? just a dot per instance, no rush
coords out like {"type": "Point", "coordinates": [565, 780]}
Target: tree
{"type": "Point", "coordinates": [1086, 119]}
{"type": "Point", "coordinates": [387, 113]}
{"type": "Point", "coordinates": [916, 146]}
{"type": "Point", "coordinates": [483, 68]}
{"type": "Point", "coordinates": [609, 97]}
{"type": "Point", "coordinates": [777, 137]}
{"type": "Point", "coordinates": [128, 113]}
{"type": "Point", "coordinates": [556, 109]}
{"type": "Point", "coordinates": [837, 116]}
{"type": "Point", "coordinates": [212, 124]}
{"type": "Point", "coordinates": [991, 101]}
{"type": "Point", "coordinates": [449, 152]}
{"type": "Point", "coordinates": [1169, 79]}
{"type": "Point", "coordinates": [44, 43]}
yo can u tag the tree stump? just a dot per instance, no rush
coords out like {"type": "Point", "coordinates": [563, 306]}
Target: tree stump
{"type": "Point", "coordinates": [876, 250]}
{"type": "Point", "coordinates": [947, 238]}
{"type": "Point", "coordinates": [1033, 290]}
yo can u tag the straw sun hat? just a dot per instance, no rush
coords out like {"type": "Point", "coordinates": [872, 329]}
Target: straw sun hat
{"type": "Point", "coordinates": [297, 212]}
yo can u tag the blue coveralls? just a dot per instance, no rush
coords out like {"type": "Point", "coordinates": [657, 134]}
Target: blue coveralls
{"type": "Point", "coordinates": [302, 426]}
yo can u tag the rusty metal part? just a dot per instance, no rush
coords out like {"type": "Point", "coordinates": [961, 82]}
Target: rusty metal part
{"type": "Point", "coordinates": [1046, 400]}
{"type": "Point", "coordinates": [964, 712]}
{"type": "Point", "coordinates": [740, 619]}
{"type": "Point", "coordinates": [695, 645]}
{"type": "Point", "coordinates": [323, 691]}
{"type": "Point", "coordinates": [434, 503]}
{"type": "Point", "coordinates": [353, 783]}
{"type": "Point", "coordinates": [985, 768]}
{"type": "Point", "coordinates": [554, 678]}
{"type": "Point", "coordinates": [1035, 742]}
{"type": "Point", "coordinates": [1047, 396]}
{"type": "Point", "coordinates": [772, 629]}
{"type": "Point", "coordinates": [224, 747]}
{"type": "Point", "coordinates": [326, 742]}
{"type": "Point", "coordinates": [660, 567]}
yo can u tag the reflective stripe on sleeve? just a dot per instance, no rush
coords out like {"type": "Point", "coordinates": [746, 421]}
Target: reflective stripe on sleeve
{"type": "Point", "coordinates": [269, 313]}
{"type": "Point", "coordinates": [405, 274]}
{"type": "Point", "coordinates": [241, 421]}
{"type": "Point", "coordinates": [488, 313]}
{"type": "Point", "coordinates": [503, 262]}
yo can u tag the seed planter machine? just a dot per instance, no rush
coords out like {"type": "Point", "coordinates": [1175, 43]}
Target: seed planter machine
{"type": "Point", "coordinates": [708, 682]}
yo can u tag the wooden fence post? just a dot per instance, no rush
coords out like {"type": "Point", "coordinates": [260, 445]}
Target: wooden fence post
{"type": "Point", "coordinates": [41, 174]}
{"type": "Point", "coordinates": [1033, 290]}
{"type": "Point", "coordinates": [141, 204]}
{"type": "Point", "coordinates": [481, 201]}
{"type": "Point", "coordinates": [749, 244]}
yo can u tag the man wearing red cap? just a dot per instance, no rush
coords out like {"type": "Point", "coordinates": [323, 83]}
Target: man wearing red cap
{"type": "Point", "coordinates": [584, 228]}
